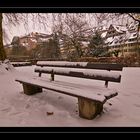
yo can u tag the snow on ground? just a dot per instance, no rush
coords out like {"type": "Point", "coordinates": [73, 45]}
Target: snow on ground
{"type": "Point", "coordinates": [18, 109]}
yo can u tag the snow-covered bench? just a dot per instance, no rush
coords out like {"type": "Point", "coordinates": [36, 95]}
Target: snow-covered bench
{"type": "Point", "coordinates": [19, 64]}
{"type": "Point", "coordinates": [90, 99]}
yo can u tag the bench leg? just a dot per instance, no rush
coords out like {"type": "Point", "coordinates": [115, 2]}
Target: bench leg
{"type": "Point", "coordinates": [89, 109]}
{"type": "Point", "coordinates": [39, 74]}
{"type": "Point", "coordinates": [30, 89]}
{"type": "Point", "coordinates": [52, 75]}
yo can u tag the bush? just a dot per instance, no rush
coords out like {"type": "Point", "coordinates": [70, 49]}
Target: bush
{"type": "Point", "coordinates": [131, 60]}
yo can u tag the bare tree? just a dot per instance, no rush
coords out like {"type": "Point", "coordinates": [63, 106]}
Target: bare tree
{"type": "Point", "coordinates": [72, 28]}
{"type": "Point", "coordinates": [38, 19]}
{"type": "Point", "coordinates": [2, 51]}
{"type": "Point", "coordinates": [10, 19]}
{"type": "Point", "coordinates": [136, 18]}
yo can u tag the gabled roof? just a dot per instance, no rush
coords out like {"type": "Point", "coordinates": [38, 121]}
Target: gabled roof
{"type": "Point", "coordinates": [132, 26]}
{"type": "Point", "coordinates": [120, 28]}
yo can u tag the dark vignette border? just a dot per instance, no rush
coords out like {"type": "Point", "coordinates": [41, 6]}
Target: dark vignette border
{"type": "Point", "coordinates": [70, 129]}
{"type": "Point", "coordinates": [70, 7]}
{"type": "Point", "coordinates": [69, 3]}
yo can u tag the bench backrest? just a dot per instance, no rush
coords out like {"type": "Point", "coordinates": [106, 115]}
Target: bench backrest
{"type": "Point", "coordinates": [59, 68]}
{"type": "Point", "coordinates": [85, 65]}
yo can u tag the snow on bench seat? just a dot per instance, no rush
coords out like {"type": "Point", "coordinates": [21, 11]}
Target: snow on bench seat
{"type": "Point", "coordinates": [83, 73]}
{"type": "Point", "coordinates": [95, 93]}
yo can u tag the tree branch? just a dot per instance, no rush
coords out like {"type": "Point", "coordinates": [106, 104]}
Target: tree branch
{"type": "Point", "coordinates": [133, 17]}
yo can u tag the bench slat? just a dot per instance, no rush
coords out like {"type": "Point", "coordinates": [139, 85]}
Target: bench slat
{"type": "Point", "coordinates": [85, 65]}
{"type": "Point", "coordinates": [89, 74]}
{"type": "Point", "coordinates": [99, 94]}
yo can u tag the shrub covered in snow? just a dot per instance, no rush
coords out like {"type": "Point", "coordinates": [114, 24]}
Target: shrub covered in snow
{"type": "Point", "coordinates": [6, 66]}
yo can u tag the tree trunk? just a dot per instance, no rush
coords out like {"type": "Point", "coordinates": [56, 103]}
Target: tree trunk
{"type": "Point", "coordinates": [2, 51]}
{"type": "Point", "coordinates": [138, 29]}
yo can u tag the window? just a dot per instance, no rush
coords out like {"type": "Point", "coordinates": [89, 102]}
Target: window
{"type": "Point", "coordinates": [133, 39]}
{"type": "Point", "coordinates": [134, 34]}
{"type": "Point", "coordinates": [131, 50]}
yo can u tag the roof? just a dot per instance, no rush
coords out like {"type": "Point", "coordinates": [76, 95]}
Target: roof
{"type": "Point", "coordinates": [85, 43]}
{"type": "Point", "coordinates": [127, 36]}
{"type": "Point", "coordinates": [133, 35]}
{"type": "Point", "coordinates": [109, 40]}
{"type": "Point", "coordinates": [104, 34]}
{"type": "Point", "coordinates": [132, 26]}
{"type": "Point", "coordinates": [120, 28]}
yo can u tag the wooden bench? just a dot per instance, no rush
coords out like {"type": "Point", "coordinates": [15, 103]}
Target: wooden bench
{"type": "Point", "coordinates": [90, 99]}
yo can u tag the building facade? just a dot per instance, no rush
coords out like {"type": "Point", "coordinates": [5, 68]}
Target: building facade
{"type": "Point", "coordinates": [124, 39]}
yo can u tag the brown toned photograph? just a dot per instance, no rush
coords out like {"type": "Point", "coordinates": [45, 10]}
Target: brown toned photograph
{"type": "Point", "coordinates": [69, 69]}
